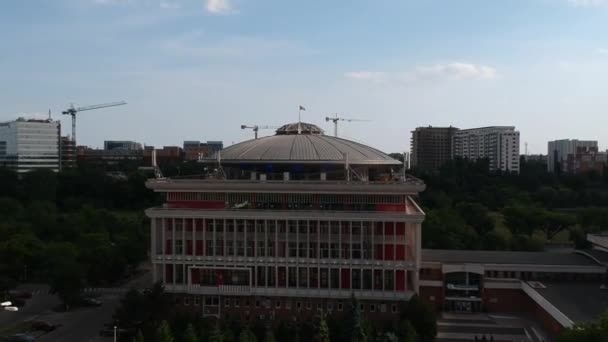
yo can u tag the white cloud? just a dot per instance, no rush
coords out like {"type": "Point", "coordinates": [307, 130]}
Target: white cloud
{"type": "Point", "coordinates": [588, 3]}
{"type": "Point", "coordinates": [169, 5]}
{"type": "Point", "coordinates": [218, 6]}
{"type": "Point", "coordinates": [437, 72]}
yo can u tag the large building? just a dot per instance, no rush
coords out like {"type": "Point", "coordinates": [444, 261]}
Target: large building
{"type": "Point", "coordinates": [558, 151]}
{"type": "Point", "coordinates": [27, 145]}
{"type": "Point", "coordinates": [67, 158]}
{"type": "Point", "coordinates": [499, 144]}
{"type": "Point", "coordinates": [585, 160]}
{"type": "Point", "coordinates": [287, 225]}
{"type": "Point", "coordinates": [431, 147]}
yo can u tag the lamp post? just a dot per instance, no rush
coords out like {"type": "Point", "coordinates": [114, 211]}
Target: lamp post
{"type": "Point", "coordinates": [114, 333]}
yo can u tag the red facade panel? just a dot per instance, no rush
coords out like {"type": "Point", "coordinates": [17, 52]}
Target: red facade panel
{"type": "Point", "coordinates": [400, 252]}
{"type": "Point", "coordinates": [188, 247]}
{"type": "Point", "coordinates": [389, 252]}
{"type": "Point", "coordinates": [400, 278]}
{"type": "Point", "coordinates": [169, 246]}
{"type": "Point", "coordinates": [345, 279]}
{"type": "Point", "coordinates": [199, 247]}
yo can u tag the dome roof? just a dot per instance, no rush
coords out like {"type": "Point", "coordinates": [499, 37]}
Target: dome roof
{"type": "Point", "coordinates": [309, 147]}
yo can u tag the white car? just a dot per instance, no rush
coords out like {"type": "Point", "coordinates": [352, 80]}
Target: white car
{"type": "Point", "coordinates": [11, 308]}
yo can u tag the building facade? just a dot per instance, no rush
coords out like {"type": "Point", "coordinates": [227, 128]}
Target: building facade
{"type": "Point", "coordinates": [559, 150]}
{"type": "Point", "coordinates": [499, 144]}
{"type": "Point", "coordinates": [291, 223]}
{"type": "Point", "coordinates": [67, 157]}
{"type": "Point", "coordinates": [121, 145]}
{"type": "Point", "coordinates": [431, 147]}
{"type": "Point", "coordinates": [585, 160]}
{"type": "Point", "coordinates": [196, 150]}
{"type": "Point", "coordinates": [27, 145]}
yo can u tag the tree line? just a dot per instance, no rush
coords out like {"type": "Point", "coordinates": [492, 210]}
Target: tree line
{"type": "Point", "coordinates": [71, 229]}
{"type": "Point", "coordinates": [153, 317]}
{"type": "Point", "coordinates": [469, 207]}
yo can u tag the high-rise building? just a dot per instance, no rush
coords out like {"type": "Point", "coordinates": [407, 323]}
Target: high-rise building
{"type": "Point", "coordinates": [499, 144]}
{"type": "Point", "coordinates": [121, 145]}
{"type": "Point", "coordinates": [290, 222]}
{"type": "Point", "coordinates": [431, 147]}
{"type": "Point", "coordinates": [27, 145]}
{"type": "Point", "coordinates": [585, 160]}
{"type": "Point", "coordinates": [558, 151]}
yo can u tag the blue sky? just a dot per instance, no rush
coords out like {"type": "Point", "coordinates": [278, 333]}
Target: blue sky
{"type": "Point", "coordinates": [197, 70]}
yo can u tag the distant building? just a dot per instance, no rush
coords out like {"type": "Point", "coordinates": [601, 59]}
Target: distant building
{"type": "Point", "coordinates": [431, 147]}
{"type": "Point", "coordinates": [536, 157]}
{"type": "Point", "coordinates": [195, 150]}
{"type": "Point", "coordinates": [116, 158]}
{"type": "Point", "coordinates": [68, 153]}
{"type": "Point", "coordinates": [166, 155]}
{"type": "Point", "coordinates": [586, 159]}
{"type": "Point", "coordinates": [558, 151]}
{"type": "Point", "coordinates": [27, 145]}
{"type": "Point", "coordinates": [499, 144]}
{"type": "Point", "coordinates": [121, 145]}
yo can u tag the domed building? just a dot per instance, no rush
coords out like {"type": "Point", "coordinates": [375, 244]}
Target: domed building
{"type": "Point", "coordinates": [289, 224]}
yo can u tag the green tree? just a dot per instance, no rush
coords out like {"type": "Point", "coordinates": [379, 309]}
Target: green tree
{"type": "Point", "coordinates": [190, 334]}
{"type": "Point", "coordinates": [269, 337]}
{"type": "Point", "coordinates": [247, 335]}
{"type": "Point", "coordinates": [216, 334]}
{"type": "Point", "coordinates": [322, 334]}
{"type": "Point", "coordinates": [163, 333]}
{"type": "Point", "coordinates": [355, 321]}
{"type": "Point", "coordinates": [139, 337]}
{"type": "Point", "coordinates": [422, 317]}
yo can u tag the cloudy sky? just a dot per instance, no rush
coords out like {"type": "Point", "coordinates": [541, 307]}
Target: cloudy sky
{"type": "Point", "coordinates": [197, 70]}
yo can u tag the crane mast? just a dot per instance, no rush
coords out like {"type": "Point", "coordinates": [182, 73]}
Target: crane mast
{"type": "Point", "coordinates": [335, 120]}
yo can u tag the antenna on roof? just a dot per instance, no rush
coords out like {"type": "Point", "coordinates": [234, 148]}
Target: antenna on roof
{"type": "Point", "coordinates": [300, 109]}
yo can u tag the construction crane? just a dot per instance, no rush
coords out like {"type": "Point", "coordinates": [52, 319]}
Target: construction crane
{"type": "Point", "coordinates": [72, 111]}
{"type": "Point", "coordinates": [256, 128]}
{"type": "Point", "coordinates": [335, 120]}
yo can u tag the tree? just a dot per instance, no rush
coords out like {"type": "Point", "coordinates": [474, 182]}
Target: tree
{"type": "Point", "coordinates": [322, 334]}
{"type": "Point", "coordinates": [66, 273]}
{"type": "Point", "coordinates": [139, 337]}
{"type": "Point", "coordinates": [190, 334]}
{"type": "Point", "coordinates": [422, 317]}
{"type": "Point", "coordinates": [163, 333]}
{"type": "Point", "coordinates": [355, 321]}
{"type": "Point", "coordinates": [269, 337]}
{"type": "Point", "coordinates": [247, 335]}
{"type": "Point", "coordinates": [216, 334]}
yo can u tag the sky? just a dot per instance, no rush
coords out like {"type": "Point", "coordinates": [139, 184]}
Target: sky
{"type": "Point", "coordinates": [198, 69]}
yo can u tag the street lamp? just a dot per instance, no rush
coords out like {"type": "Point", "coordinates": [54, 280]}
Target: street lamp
{"type": "Point", "coordinates": [114, 333]}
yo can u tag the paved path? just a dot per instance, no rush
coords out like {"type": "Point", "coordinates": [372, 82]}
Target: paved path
{"type": "Point", "coordinates": [464, 327]}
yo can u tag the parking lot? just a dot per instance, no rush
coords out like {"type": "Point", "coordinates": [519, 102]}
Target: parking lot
{"type": "Point", "coordinates": [80, 324]}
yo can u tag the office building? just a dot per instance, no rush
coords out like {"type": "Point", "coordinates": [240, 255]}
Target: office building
{"type": "Point", "coordinates": [121, 145]}
{"type": "Point", "coordinates": [431, 147]}
{"type": "Point", "coordinates": [498, 144]}
{"type": "Point", "coordinates": [27, 145]}
{"type": "Point", "coordinates": [289, 224]}
{"type": "Point", "coordinates": [558, 151]}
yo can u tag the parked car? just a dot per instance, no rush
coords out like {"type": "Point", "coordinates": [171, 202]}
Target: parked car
{"type": "Point", "coordinates": [21, 338]}
{"type": "Point", "coordinates": [44, 326]}
{"type": "Point", "coordinates": [11, 308]}
{"type": "Point", "coordinates": [20, 294]}
{"type": "Point", "coordinates": [18, 302]}
{"type": "Point", "coordinates": [89, 301]}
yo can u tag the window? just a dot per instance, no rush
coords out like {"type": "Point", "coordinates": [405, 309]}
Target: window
{"type": "Point", "coordinates": [394, 308]}
{"type": "Point", "coordinates": [186, 300]}
{"type": "Point", "coordinates": [277, 304]}
{"type": "Point", "coordinates": [288, 305]}
{"type": "Point", "coordinates": [340, 306]}
{"type": "Point", "coordinates": [197, 300]}
{"type": "Point", "coordinates": [372, 308]}
{"type": "Point", "coordinates": [257, 303]}
{"type": "Point", "coordinates": [330, 306]}
{"type": "Point", "coordinates": [237, 302]}
{"type": "Point", "coordinates": [319, 307]}
{"type": "Point", "coordinates": [227, 302]}
{"type": "Point", "coordinates": [383, 307]}
{"type": "Point", "coordinates": [298, 305]}
{"type": "Point", "coordinates": [308, 306]}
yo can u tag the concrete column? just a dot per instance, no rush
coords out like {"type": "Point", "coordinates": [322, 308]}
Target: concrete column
{"type": "Point", "coordinates": [183, 238]}
{"type": "Point", "coordinates": [153, 248]}
{"type": "Point", "coordinates": [193, 238]}
{"type": "Point", "coordinates": [173, 250]}
{"type": "Point", "coordinates": [214, 247]}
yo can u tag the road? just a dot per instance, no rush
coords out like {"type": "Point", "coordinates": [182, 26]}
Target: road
{"type": "Point", "coordinates": [39, 304]}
